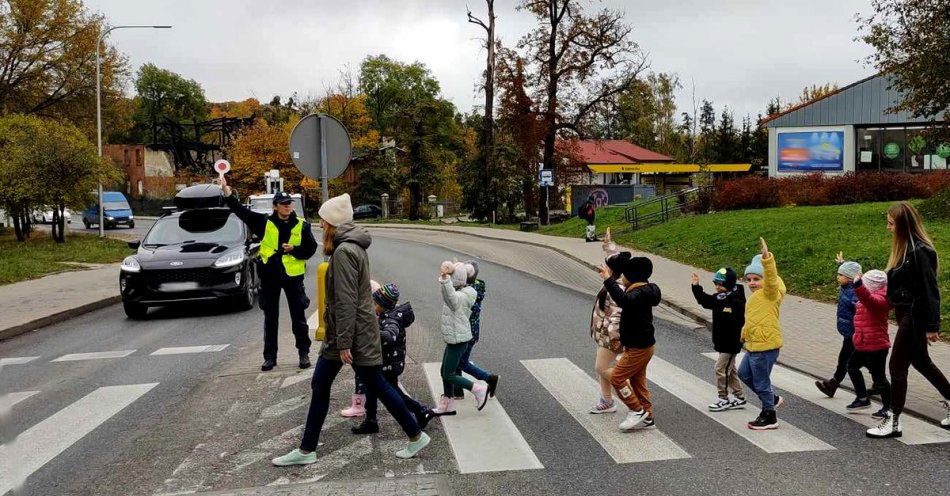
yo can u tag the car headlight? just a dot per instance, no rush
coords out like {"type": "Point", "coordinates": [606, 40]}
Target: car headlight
{"type": "Point", "coordinates": [230, 260]}
{"type": "Point", "coordinates": [131, 264]}
{"type": "Point", "coordinates": [109, 217]}
{"type": "Point", "coordinates": [131, 216]}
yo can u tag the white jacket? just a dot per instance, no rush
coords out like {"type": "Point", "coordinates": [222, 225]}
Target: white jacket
{"type": "Point", "coordinates": [456, 312]}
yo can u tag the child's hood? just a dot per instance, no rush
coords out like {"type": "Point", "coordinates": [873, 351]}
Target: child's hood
{"type": "Point", "coordinates": [402, 313]}
{"type": "Point", "coordinates": [650, 292]}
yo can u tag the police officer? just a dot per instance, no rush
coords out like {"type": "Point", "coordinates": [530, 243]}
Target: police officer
{"type": "Point", "coordinates": [286, 244]}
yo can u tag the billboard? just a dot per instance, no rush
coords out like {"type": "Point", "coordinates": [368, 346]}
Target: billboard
{"type": "Point", "coordinates": [811, 151]}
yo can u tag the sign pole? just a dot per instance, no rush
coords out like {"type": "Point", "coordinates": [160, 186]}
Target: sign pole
{"type": "Point", "coordinates": [324, 181]}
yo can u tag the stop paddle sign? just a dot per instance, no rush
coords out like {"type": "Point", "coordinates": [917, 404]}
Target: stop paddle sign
{"type": "Point", "coordinates": [222, 166]}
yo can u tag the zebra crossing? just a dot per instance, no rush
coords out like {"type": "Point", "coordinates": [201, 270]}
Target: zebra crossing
{"type": "Point", "coordinates": [102, 355]}
{"type": "Point", "coordinates": [486, 441]}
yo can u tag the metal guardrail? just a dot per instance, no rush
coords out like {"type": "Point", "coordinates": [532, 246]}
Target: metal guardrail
{"type": "Point", "coordinates": [671, 205]}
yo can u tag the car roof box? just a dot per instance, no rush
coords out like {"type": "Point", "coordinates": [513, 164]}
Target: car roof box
{"type": "Point", "coordinates": [200, 196]}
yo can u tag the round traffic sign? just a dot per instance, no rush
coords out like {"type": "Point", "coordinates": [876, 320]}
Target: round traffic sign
{"type": "Point", "coordinates": [222, 166]}
{"type": "Point", "coordinates": [306, 143]}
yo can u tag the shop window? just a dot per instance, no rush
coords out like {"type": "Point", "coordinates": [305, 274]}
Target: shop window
{"type": "Point", "coordinates": [894, 149]}
{"type": "Point", "coordinates": [868, 143]}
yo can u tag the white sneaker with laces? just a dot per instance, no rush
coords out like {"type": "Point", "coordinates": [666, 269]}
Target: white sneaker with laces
{"type": "Point", "coordinates": [720, 405]}
{"type": "Point", "coordinates": [945, 423]}
{"type": "Point", "coordinates": [889, 427]}
{"type": "Point", "coordinates": [633, 421]}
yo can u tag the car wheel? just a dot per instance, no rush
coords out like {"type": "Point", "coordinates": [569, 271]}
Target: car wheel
{"type": "Point", "coordinates": [245, 301]}
{"type": "Point", "coordinates": [85, 222]}
{"type": "Point", "coordinates": [131, 224]}
{"type": "Point", "coordinates": [134, 311]}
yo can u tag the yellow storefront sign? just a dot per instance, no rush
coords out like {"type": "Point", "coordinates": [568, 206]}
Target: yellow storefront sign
{"type": "Point", "coordinates": [666, 168]}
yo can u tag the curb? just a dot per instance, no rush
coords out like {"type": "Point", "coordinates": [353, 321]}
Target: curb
{"type": "Point", "coordinates": [58, 317]}
{"type": "Point", "coordinates": [689, 314]}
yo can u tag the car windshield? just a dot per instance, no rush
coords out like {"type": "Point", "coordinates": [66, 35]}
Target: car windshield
{"type": "Point", "coordinates": [195, 226]}
{"type": "Point", "coordinates": [116, 205]}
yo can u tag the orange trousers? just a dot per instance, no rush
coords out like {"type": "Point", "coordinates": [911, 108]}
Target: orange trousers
{"type": "Point", "coordinates": [629, 378]}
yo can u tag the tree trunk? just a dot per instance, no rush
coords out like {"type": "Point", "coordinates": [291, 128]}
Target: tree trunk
{"type": "Point", "coordinates": [550, 133]}
{"type": "Point", "coordinates": [415, 199]}
{"type": "Point", "coordinates": [59, 224]}
{"type": "Point", "coordinates": [489, 110]}
{"type": "Point", "coordinates": [18, 227]}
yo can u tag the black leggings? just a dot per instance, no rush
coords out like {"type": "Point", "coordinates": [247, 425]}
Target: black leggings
{"type": "Point", "coordinates": [844, 356]}
{"type": "Point", "coordinates": [910, 348]}
{"type": "Point", "coordinates": [876, 363]}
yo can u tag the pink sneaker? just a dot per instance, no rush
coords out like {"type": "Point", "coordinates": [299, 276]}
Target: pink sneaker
{"type": "Point", "coordinates": [446, 407]}
{"type": "Point", "coordinates": [480, 392]}
{"type": "Point", "coordinates": [357, 409]}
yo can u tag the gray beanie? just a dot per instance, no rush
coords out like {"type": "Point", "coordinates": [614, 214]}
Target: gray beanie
{"type": "Point", "coordinates": [474, 275]}
{"type": "Point", "coordinates": [849, 269]}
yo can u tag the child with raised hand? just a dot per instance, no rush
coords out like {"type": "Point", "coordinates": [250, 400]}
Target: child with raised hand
{"type": "Point", "coordinates": [393, 321]}
{"type": "Point", "coordinates": [465, 363]}
{"type": "Point", "coordinates": [847, 305]}
{"type": "Point", "coordinates": [728, 309]}
{"type": "Point", "coordinates": [457, 298]}
{"type": "Point", "coordinates": [762, 335]}
{"type": "Point", "coordinates": [871, 341]}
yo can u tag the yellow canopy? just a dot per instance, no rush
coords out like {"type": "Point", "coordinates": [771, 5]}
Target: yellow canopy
{"type": "Point", "coordinates": [666, 168]}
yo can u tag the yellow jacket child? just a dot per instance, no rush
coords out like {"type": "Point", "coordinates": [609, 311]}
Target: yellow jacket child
{"type": "Point", "coordinates": [762, 330]}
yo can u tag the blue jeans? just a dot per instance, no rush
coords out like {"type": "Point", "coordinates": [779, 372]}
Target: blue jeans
{"type": "Point", "coordinates": [469, 367]}
{"type": "Point", "coordinates": [755, 371]}
{"type": "Point", "coordinates": [323, 376]}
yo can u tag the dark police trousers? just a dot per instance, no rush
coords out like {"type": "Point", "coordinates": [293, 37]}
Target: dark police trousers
{"type": "Point", "coordinates": [297, 302]}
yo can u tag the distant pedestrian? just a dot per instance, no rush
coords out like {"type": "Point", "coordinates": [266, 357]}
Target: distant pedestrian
{"type": "Point", "coordinates": [605, 327]}
{"type": "Point", "coordinates": [847, 305]}
{"type": "Point", "coordinates": [762, 335]}
{"type": "Point", "coordinates": [393, 321]}
{"type": "Point", "coordinates": [728, 310]}
{"type": "Point", "coordinates": [457, 301]}
{"type": "Point", "coordinates": [352, 335]}
{"type": "Point", "coordinates": [636, 302]}
{"type": "Point", "coordinates": [587, 212]}
{"type": "Point", "coordinates": [465, 362]}
{"type": "Point", "coordinates": [913, 292]}
{"type": "Point", "coordinates": [871, 341]}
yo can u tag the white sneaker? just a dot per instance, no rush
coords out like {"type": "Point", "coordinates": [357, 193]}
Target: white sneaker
{"type": "Point", "coordinates": [722, 404]}
{"type": "Point", "coordinates": [889, 427]}
{"type": "Point", "coordinates": [633, 421]}
{"type": "Point", "coordinates": [945, 423]}
{"type": "Point", "coordinates": [603, 406]}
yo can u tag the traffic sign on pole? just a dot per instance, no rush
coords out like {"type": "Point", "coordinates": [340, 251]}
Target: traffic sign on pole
{"type": "Point", "coordinates": [321, 148]}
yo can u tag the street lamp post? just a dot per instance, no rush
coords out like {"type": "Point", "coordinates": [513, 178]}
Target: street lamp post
{"type": "Point", "coordinates": [99, 108]}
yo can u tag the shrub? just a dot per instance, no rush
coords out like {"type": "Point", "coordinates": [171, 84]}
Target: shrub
{"type": "Point", "coordinates": [937, 206]}
{"type": "Point", "coordinates": [746, 192]}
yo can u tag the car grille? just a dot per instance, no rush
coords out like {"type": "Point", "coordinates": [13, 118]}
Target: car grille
{"type": "Point", "coordinates": [204, 277]}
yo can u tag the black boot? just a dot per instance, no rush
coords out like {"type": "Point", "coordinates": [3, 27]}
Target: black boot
{"type": "Point", "coordinates": [492, 382]}
{"type": "Point", "coordinates": [767, 420]}
{"type": "Point", "coordinates": [368, 426]}
{"type": "Point", "coordinates": [829, 387]}
{"type": "Point", "coordinates": [268, 364]}
{"type": "Point", "coordinates": [304, 360]}
{"type": "Point", "coordinates": [423, 418]}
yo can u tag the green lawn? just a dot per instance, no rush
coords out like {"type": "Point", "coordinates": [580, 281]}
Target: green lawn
{"type": "Point", "coordinates": [40, 255]}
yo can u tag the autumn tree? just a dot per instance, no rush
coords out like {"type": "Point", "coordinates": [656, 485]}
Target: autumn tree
{"type": "Point", "coordinates": [48, 62]}
{"type": "Point", "coordinates": [260, 148]}
{"type": "Point", "coordinates": [578, 61]}
{"type": "Point", "coordinates": [164, 95]}
{"type": "Point", "coordinates": [911, 43]}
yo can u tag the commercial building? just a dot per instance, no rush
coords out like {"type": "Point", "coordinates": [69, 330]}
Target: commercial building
{"type": "Point", "coordinates": [851, 129]}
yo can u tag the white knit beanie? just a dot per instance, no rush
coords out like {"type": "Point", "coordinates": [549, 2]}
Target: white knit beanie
{"type": "Point", "coordinates": [460, 275]}
{"type": "Point", "coordinates": [337, 210]}
{"type": "Point", "coordinates": [373, 285]}
{"type": "Point", "coordinates": [875, 280]}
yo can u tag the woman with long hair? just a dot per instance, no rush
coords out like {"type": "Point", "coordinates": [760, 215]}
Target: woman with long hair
{"type": "Point", "coordinates": [912, 291]}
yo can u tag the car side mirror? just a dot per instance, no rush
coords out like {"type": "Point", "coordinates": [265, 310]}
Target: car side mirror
{"type": "Point", "coordinates": [134, 244]}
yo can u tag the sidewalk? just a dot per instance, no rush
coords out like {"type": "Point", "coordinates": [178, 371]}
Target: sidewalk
{"type": "Point", "coordinates": [811, 341]}
{"type": "Point", "coordinates": [32, 304]}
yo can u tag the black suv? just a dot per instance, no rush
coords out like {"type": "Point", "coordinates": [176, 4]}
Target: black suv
{"type": "Point", "coordinates": [198, 252]}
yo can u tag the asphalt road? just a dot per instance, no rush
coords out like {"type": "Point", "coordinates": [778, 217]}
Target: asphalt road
{"type": "Point", "coordinates": [213, 420]}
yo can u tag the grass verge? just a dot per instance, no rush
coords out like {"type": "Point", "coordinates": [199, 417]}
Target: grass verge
{"type": "Point", "coordinates": [39, 255]}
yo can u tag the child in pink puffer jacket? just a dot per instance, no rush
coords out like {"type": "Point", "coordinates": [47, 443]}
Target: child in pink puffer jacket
{"type": "Point", "coordinates": [871, 341]}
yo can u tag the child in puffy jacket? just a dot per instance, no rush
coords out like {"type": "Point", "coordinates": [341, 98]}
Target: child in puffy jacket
{"type": "Point", "coordinates": [847, 302]}
{"type": "Point", "coordinates": [871, 341]}
{"type": "Point", "coordinates": [728, 311]}
{"type": "Point", "coordinates": [457, 301]}
{"type": "Point", "coordinates": [393, 321]}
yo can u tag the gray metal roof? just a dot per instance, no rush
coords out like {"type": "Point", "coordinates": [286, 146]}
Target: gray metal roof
{"type": "Point", "coordinates": [864, 102]}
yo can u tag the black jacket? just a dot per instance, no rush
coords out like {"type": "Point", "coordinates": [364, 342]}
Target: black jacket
{"type": "Point", "coordinates": [257, 222]}
{"type": "Point", "coordinates": [636, 315]}
{"type": "Point", "coordinates": [392, 330]}
{"type": "Point", "coordinates": [912, 287]}
{"type": "Point", "coordinates": [728, 310]}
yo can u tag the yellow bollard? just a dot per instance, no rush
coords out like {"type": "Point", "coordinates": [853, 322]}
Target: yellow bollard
{"type": "Point", "coordinates": [321, 332]}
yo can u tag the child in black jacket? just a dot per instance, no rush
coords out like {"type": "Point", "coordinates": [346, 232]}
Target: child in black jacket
{"type": "Point", "coordinates": [393, 321]}
{"type": "Point", "coordinates": [728, 307]}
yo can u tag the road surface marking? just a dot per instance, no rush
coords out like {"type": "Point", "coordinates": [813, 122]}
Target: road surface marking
{"type": "Point", "coordinates": [296, 378]}
{"type": "Point", "coordinates": [94, 355]}
{"type": "Point", "coordinates": [574, 390]}
{"type": "Point", "coordinates": [190, 349]}
{"type": "Point", "coordinates": [16, 360]}
{"type": "Point", "coordinates": [915, 431]}
{"type": "Point", "coordinates": [485, 441]}
{"type": "Point", "coordinates": [44, 441]}
{"type": "Point", "coordinates": [697, 393]}
{"type": "Point", "coordinates": [7, 401]}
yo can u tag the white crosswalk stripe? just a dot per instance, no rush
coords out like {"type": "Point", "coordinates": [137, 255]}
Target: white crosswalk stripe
{"type": "Point", "coordinates": [7, 401]}
{"type": "Point", "coordinates": [96, 355]}
{"type": "Point", "coordinates": [915, 431]}
{"type": "Point", "coordinates": [16, 360]}
{"type": "Point", "coordinates": [44, 441]}
{"type": "Point", "coordinates": [697, 393]}
{"type": "Point", "coordinates": [575, 390]}
{"type": "Point", "coordinates": [190, 349]}
{"type": "Point", "coordinates": [485, 441]}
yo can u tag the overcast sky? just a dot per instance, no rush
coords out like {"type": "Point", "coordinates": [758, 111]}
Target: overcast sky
{"type": "Point", "coordinates": [737, 53]}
